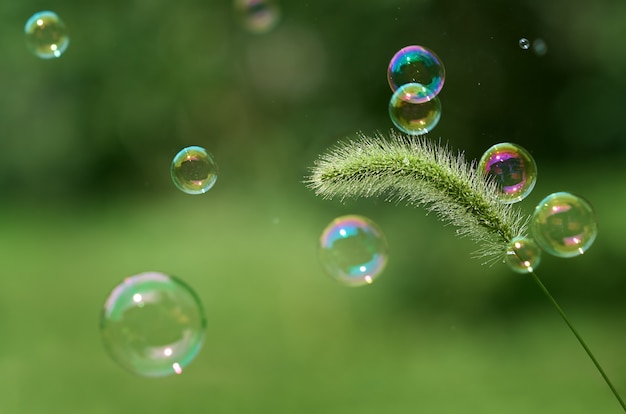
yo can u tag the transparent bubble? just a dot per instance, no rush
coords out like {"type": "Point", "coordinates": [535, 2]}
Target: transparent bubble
{"type": "Point", "coordinates": [564, 224]}
{"type": "Point", "coordinates": [417, 64]}
{"type": "Point", "coordinates": [353, 249]}
{"type": "Point", "coordinates": [258, 16]}
{"type": "Point", "coordinates": [46, 35]}
{"type": "Point", "coordinates": [513, 169]}
{"type": "Point", "coordinates": [524, 43]}
{"type": "Point", "coordinates": [523, 255]}
{"type": "Point", "coordinates": [194, 170]}
{"type": "Point", "coordinates": [153, 324]}
{"type": "Point", "coordinates": [410, 117]}
{"type": "Point", "coordinates": [539, 47]}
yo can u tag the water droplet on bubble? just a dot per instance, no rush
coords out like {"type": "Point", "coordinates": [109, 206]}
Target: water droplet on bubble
{"type": "Point", "coordinates": [523, 255]}
{"type": "Point", "coordinates": [410, 117]}
{"type": "Point", "coordinates": [564, 224]}
{"type": "Point", "coordinates": [512, 168]}
{"type": "Point", "coordinates": [417, 64]}
{"type": "Point", "coordinates": [153, 324]}
{"type": "Point", "coordinates": [524, 43]}
{"type": "Point", "coordinates": [194, 170]}
{"type": "Point", "coordinates": [46, 35]}
{"type": "Point", "coordinates": [353, 250]}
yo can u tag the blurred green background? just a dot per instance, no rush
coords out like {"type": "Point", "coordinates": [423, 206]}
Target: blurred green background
{"type": "Point", "coordinates": [85, 146]}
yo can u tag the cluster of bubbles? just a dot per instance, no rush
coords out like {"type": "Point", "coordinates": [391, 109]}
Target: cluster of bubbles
{"type": "Point", "coordinates": [153, 324]}
{"type": "Point", "coordinates": [563, 224]}
{"type": "Point", "coordinates": [416, 76]}
{"type": "Point", "coordinates": [353, 250]}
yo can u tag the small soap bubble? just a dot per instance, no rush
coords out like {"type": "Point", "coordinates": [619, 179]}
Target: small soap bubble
{"type": "Point", "coordinates": [153, 324]}
{"type": "Point", "coordinates": [512, 168]}
{"type": "Point", "coordinates": [46, 35]}
{"type": "Point", "coordinates": [258, 16]}
{"type": "Point", "coordinates": [523, 255]}
{"type": "Point", "coordinates": [524, 43]}
{"type": "Point", "coordinates": [193, 170]}
{"type": "Point", "coordinates": [417, 64]}
{"type": "Point", "coordinates": [564, 224]}
{"type": "Point", "coordinates": [410, 117]}
{"type": "Point", "coordinates": [353, 250]}
{"type": "Point", "coordinates": [539, 47]}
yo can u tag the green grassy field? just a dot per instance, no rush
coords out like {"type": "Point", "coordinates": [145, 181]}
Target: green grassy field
{"type": "Point", "coordinates": [433, 335]}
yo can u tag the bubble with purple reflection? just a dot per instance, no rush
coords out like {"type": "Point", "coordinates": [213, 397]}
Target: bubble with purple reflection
{"type": "Point", "coordinates": [353, 250]}
{"type": "Point", "coordinates": [417, 64]}
{"type": "Point", "coordinates": [564, 224]}
{"type": "Point", "coordinates": [152, 324]}
{"type": "Point", "coordinates": [513, 170]}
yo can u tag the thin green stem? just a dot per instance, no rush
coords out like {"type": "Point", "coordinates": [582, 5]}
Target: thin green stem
{"type": "Point", "coordinates": [580, 339]}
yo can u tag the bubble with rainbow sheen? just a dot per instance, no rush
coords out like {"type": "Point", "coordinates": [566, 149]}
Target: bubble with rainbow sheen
{"type": "Point", "coordinates": [512, 168]}
{"type": "Point", "coordinates": [417, 64]}
{"type": "Point", "coordinates": [258, 16]}
{"type": "Point", "coordinates": [353, 250]}
{"type": "Point", "coordinates": [564, 224]}
{"type": "Point", "coordinates": [193, 170]}
{"type": "Point", "coordinates": [523, 255]}
{"type": "Point", "coordinates": [46, 35]}
{"type": "Point", "coordinates": [411, 117]}
{"type": "Point", "coordinates": [153, 324]}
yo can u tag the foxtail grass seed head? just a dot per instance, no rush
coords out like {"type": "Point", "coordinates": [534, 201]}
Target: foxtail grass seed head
{"type": "Point", "coordinates": [421, 172]}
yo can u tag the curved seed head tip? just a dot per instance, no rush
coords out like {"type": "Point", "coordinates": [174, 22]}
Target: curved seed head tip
{"type": "Point", "coordinates": [420, 172]}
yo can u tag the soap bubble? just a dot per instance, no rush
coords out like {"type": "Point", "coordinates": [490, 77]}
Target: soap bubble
{"type": "Point", "coordinates": [539, 47]}
{"type": "Point", "coordinates": [524, 43]}
{"type": "Point", "coordinates": [353, 250]}
{"type": "Point", "coordinates": [417, 64]}
{"type": "Point", "coordinates": [564, 224]}
{"type": "Point", "coordinates": [523, 255]}
{"type": "Point", "coordinates": [258, 16]}
{"type": "Point", "coordinates": [194, 170]}
{"type": "Point", "coordinates": [513, 169]}
{"type": "Point", "coordinates": [410, 117]}
{"type": "Point", "coordinates": [153, 324]}
{"type": "Point", "coordinates": [46, 35]}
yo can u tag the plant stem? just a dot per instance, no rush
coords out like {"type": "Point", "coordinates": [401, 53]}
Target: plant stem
{"type": "Point", "coordinates": [580, 340]}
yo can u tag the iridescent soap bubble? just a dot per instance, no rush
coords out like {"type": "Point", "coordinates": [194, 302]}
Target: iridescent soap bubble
{"type": "Point", "coordinates": [523, 255]}
{"type": "Point", "coordinates": [524, 43]}
{"type": "Point", "coordinates": [153, 324]}
{"type": "Point", "coordinates": [410, 117]}
{"type": "Point", "coordinates": [417, 64]}
{"type": "Point", "coordinates": [564, 224]}
{"type": "Point", "coordinates": [194, 170]}
{"type": "Point", "coordinates": [512, 168]}
{"type": "Point", "coordinates": [353, 250]}
{"type": "Point", "coordinates": [258, 16]}
{"type": "Point", "coordinates": [46, 35]}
